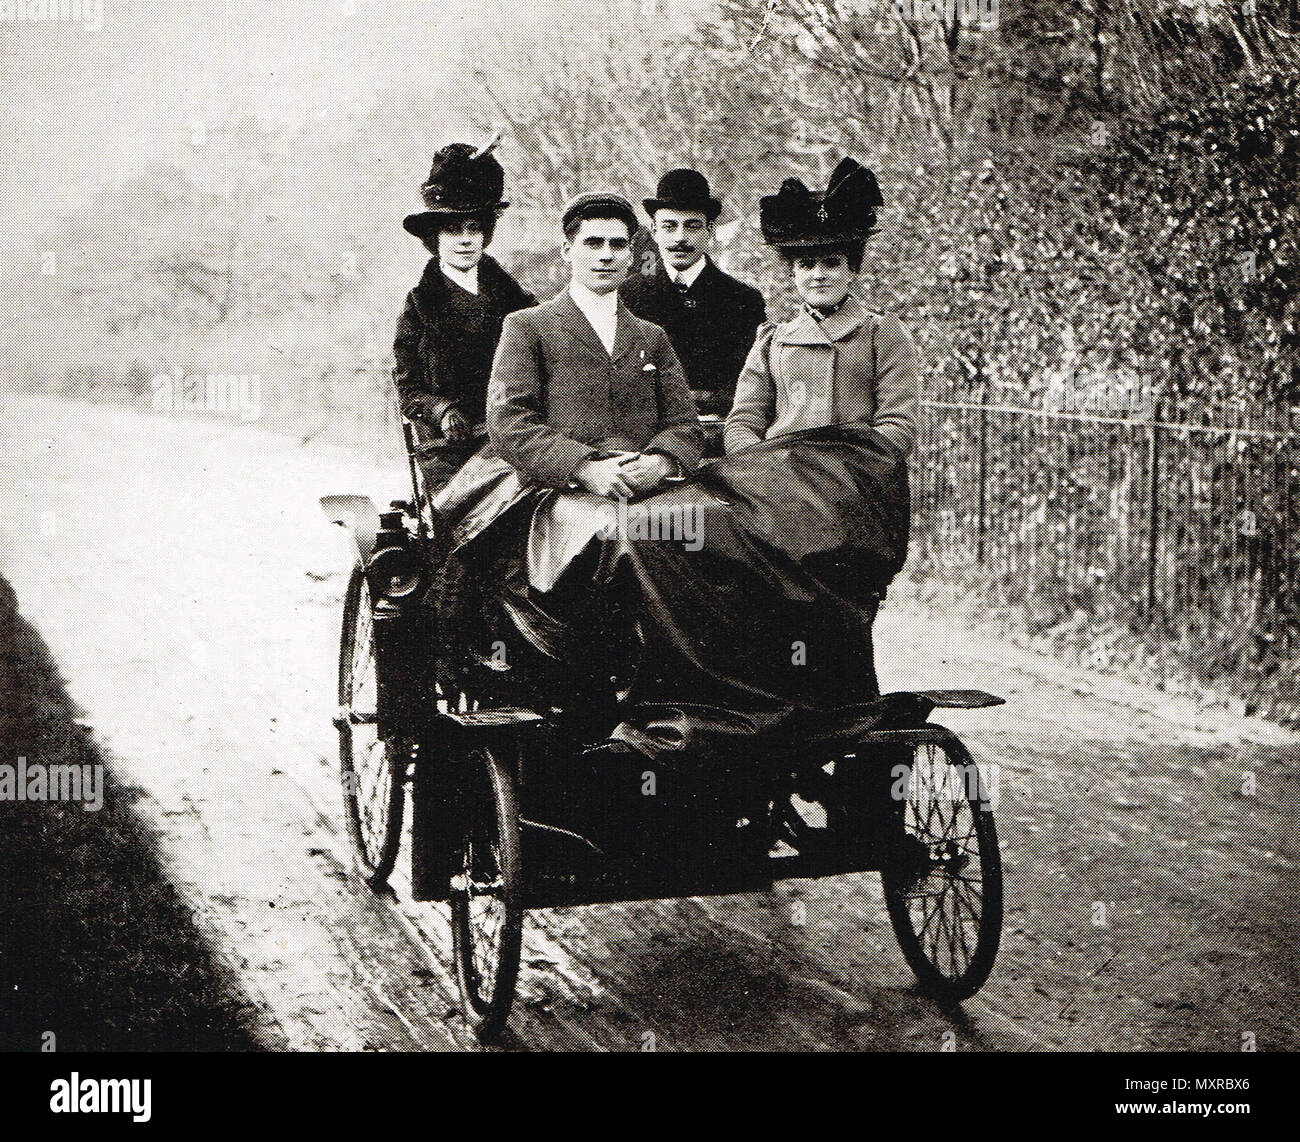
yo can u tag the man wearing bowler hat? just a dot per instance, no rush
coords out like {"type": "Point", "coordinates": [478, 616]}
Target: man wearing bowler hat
{"type": "Point", "coordinates": [710, 317]}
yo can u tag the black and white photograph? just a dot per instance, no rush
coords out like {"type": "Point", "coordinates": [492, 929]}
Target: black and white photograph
{"type": "Point", "coordinates": [649, 526]}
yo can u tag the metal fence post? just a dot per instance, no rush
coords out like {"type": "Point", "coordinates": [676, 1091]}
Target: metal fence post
{"type": "Point", "coordinates": [982, 492]}
{"type": "Point", "coordinates": [1153, 525]}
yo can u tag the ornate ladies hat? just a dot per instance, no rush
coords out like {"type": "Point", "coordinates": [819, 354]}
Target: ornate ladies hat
{"type": "Point", "coordinates": [463, 180]}
{"type": "Point", "coordinates": [845, 212]}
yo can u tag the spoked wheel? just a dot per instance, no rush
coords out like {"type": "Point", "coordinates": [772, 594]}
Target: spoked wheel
{"type": "Point", "coordinates": [372, 769]}
{"type": "Point", "coordinates": [944, 887]}
{"type": "Point", "coordinates": [486, 897]}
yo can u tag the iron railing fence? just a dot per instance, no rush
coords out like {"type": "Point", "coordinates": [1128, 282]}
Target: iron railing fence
{"type": "Point", "coordinates": [1178, 520]}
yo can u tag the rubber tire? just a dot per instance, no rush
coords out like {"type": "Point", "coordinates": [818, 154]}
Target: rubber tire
{"type": "Point", "coordinates": [375, 861]}
{"type": "Point", "coordinates": [946, 989]}
{"type": "Point", "coordinates": [487, 1014]}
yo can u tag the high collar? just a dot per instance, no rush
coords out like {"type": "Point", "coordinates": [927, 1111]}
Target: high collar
{"type": "Point", "coordinates": [588, 300]}
{"type": "Point", "coordinates": [703, 269]}
{"type": "Point", "coordinates": [807, 330]}
{"type": "Point", "coordinates": [819, 314]}
{"type": "Point", "coordinates": [466, 279]}
{"type": "Point", "coordinates": [691, 275]}
{"type": "Point", "coordinates": [493, 281]}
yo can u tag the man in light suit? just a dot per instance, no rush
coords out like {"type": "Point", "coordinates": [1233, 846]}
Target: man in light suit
{"type": "Point", "coordinates": [583, 394]}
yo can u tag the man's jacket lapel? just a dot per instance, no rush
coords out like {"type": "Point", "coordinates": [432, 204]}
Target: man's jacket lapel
{"type": "Point", "coordinates": [708, 281]}
{"type": "Point", "coordinates": [576, 323]}
{"type": "Point", "coordinates": [626, 335]}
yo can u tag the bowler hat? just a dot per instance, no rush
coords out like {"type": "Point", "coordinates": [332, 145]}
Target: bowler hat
{"type": "Point", "coordinates": [591, 206]}
{"type": "Point", "coordinates": [463, 180]}
{"type": "Point", "coordinates": [845, 212]}
{"type": "Point", "coordinates": [683, 189]}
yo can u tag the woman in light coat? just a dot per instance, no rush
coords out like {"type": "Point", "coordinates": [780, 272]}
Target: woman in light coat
{"type": "Point", "coordinates": [837, 361]}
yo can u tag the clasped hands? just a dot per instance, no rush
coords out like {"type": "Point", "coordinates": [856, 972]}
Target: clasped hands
{"type": "Point", "coordinates": [625, 475]}
{"type": "Point", "coordinates": [452, 425]}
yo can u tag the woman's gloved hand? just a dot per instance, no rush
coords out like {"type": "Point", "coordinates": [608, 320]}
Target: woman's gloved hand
{"type": "Point", "coordinates": [455, 426]}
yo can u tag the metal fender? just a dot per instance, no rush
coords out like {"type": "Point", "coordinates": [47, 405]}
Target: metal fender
{"type": "Point", "coordinates": [358, 515]}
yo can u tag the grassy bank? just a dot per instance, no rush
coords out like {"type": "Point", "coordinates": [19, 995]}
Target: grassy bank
{"type": "Point", "coordinates": [97, 951]}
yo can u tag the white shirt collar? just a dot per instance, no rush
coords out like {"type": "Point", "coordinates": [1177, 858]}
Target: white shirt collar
{"type": "Point", "coordinates": [688, 276]}
{"type": "Point", "coordinates": [589, 300]}
{"type": "Point", "coordinates": [601, 309]}
{"type": "Point", "coordinates": [466, 279]}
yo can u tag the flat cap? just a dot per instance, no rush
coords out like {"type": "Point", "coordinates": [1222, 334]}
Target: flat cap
{"type": "Point", "coordinates": [599, 205]}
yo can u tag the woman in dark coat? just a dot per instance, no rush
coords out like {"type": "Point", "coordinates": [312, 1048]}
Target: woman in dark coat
{"type": "Point", "coordinates": [448, 330]}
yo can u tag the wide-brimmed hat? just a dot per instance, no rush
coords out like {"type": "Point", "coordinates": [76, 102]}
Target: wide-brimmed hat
{"type": "Point", "coordinates": [683, 189]}
{"type": "Point", "coordinates": [845, 212]}
{"type": "Point", "coordinates": [464, 180]}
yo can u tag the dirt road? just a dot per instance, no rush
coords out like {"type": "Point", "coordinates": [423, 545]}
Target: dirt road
{"type": "Point", "coordinates": [187, 585]}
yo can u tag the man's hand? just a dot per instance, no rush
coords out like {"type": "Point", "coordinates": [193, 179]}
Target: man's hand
{"type": "Point", "coordinates": [647, 472]}
{"type": "Point", "coordinates": [604, 478]}
{"type": "Point", "coordinates": [454, 426]}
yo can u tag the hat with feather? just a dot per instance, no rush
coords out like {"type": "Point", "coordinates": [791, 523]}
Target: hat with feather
{"type": "Point", "coordinates": [845, 212]}
{"type": "Point", "coordinates": [464, 180]}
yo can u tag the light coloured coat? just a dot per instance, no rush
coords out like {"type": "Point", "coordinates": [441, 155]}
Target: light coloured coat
{"type": "Point", "coordinates": [851, 366]}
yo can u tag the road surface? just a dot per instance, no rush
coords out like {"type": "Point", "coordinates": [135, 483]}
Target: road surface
{"type": "Point", "coordinates": [180, 571]}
